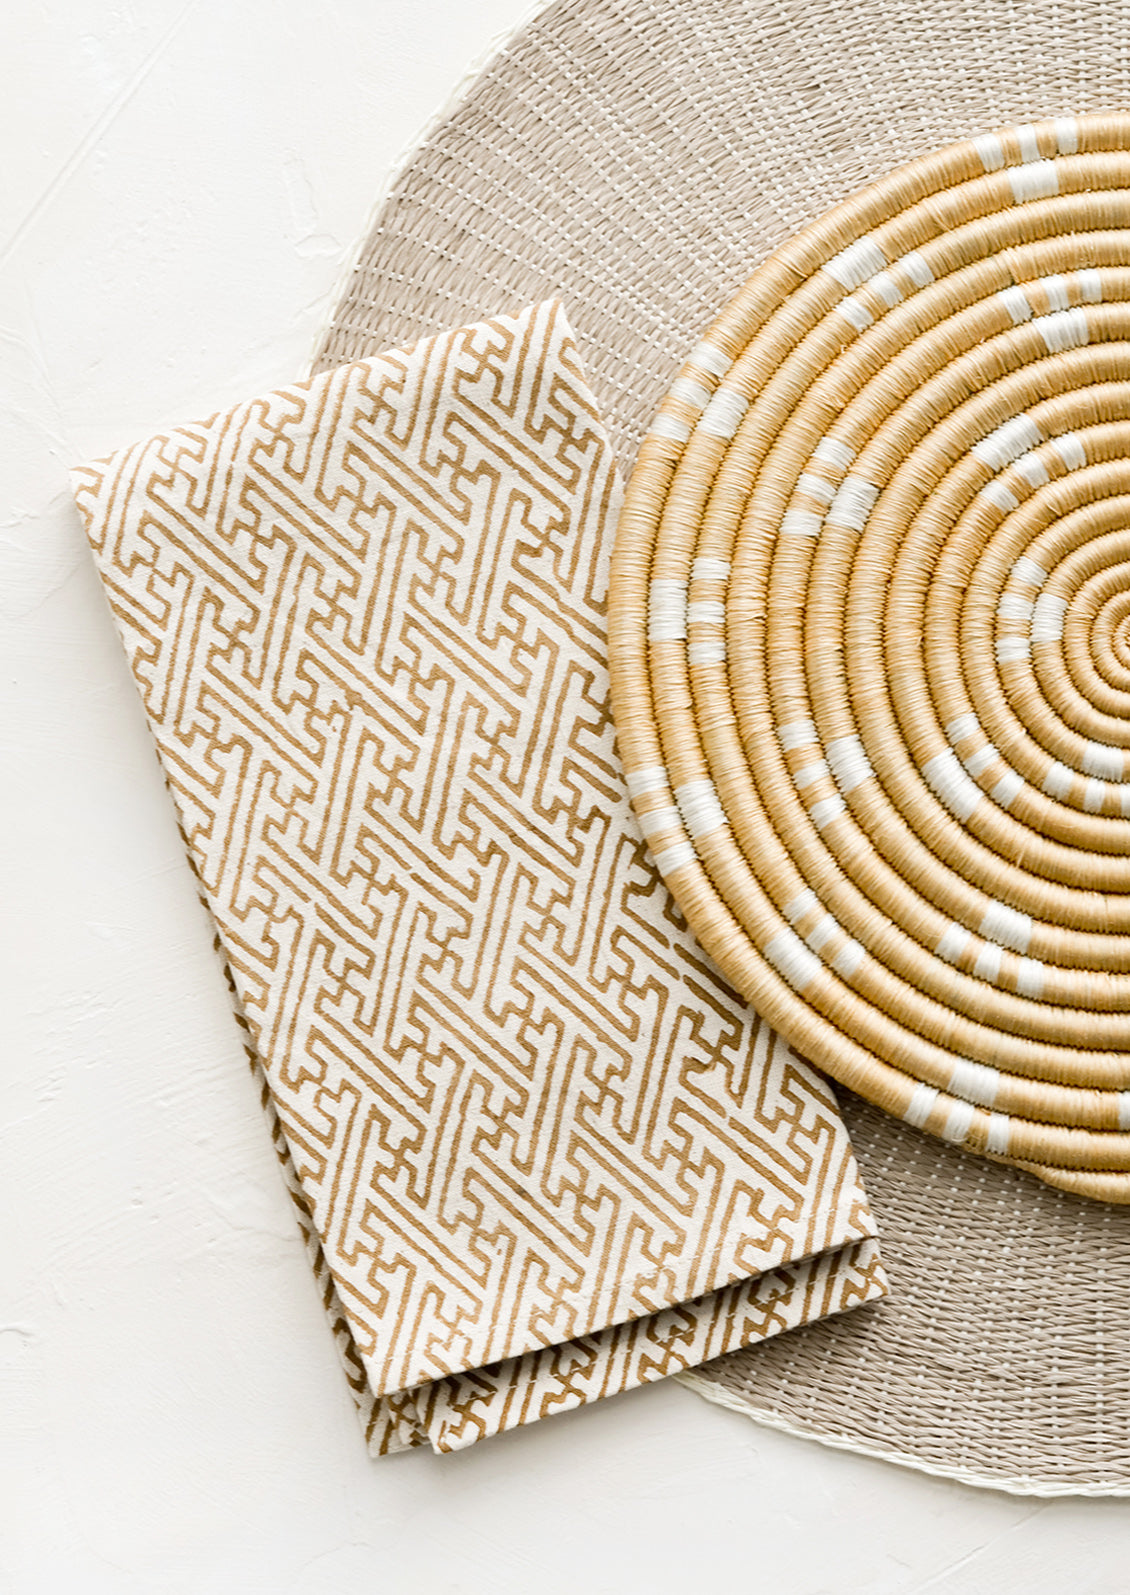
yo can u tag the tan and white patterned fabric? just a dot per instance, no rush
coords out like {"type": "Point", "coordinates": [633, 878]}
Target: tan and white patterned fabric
{"type": "Point", "coordinates": [543, 1153]}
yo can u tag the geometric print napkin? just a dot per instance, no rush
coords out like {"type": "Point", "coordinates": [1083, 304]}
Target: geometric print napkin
{"type": "Point", "coordinates": [541, 1151]}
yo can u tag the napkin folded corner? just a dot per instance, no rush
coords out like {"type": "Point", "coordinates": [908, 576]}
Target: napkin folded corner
{"type": "Point", "coordinates": [540, 1151]}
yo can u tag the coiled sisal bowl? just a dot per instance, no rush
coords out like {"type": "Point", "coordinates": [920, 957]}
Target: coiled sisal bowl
{"type": "Point", "coordinates": [870, 645]}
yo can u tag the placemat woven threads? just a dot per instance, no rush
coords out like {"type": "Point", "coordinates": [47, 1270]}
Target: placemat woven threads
{"type": "Point", "coordinates": [640, 159]}
{"type": "Point", "coordinates": [989, 1363]}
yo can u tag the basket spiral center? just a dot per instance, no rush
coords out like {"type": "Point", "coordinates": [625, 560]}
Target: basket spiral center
{"type": "Point", "coordinates": [870, 637]}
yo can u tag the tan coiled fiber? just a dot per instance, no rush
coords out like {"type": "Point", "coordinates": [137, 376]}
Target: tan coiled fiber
{"type": "Point", "coordinates": [868, 630]}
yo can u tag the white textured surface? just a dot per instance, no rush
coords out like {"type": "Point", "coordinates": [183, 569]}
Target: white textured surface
{"type": "Point", "coordinates": [182, 186]}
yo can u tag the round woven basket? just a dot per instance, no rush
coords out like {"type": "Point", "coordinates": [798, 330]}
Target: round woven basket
{"type": "Point", "coordinates": [868, 635]}
{"type": "Point", "coordinates": [641, 159]}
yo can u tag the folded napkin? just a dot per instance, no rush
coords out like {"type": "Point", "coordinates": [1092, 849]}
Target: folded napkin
{"type": "Point", "coordinates": [543, 1152]}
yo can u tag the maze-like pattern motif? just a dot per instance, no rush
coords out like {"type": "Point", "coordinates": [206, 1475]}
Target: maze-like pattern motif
{"type": "Point", "coordinates": [546, 1152]}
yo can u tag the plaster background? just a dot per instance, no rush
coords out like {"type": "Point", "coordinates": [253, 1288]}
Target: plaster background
{"type": "Point", "coordinates": [182, 186]}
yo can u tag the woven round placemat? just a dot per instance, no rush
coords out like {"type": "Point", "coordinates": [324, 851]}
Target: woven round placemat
{"type": "Point", "coordinates": [868, 639]}
{"type": "Point", "coordinates": [641, 159]}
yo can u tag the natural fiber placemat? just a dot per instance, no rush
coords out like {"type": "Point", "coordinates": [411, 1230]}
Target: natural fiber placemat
{"type": "Point", "coordinates": [641, 159]}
